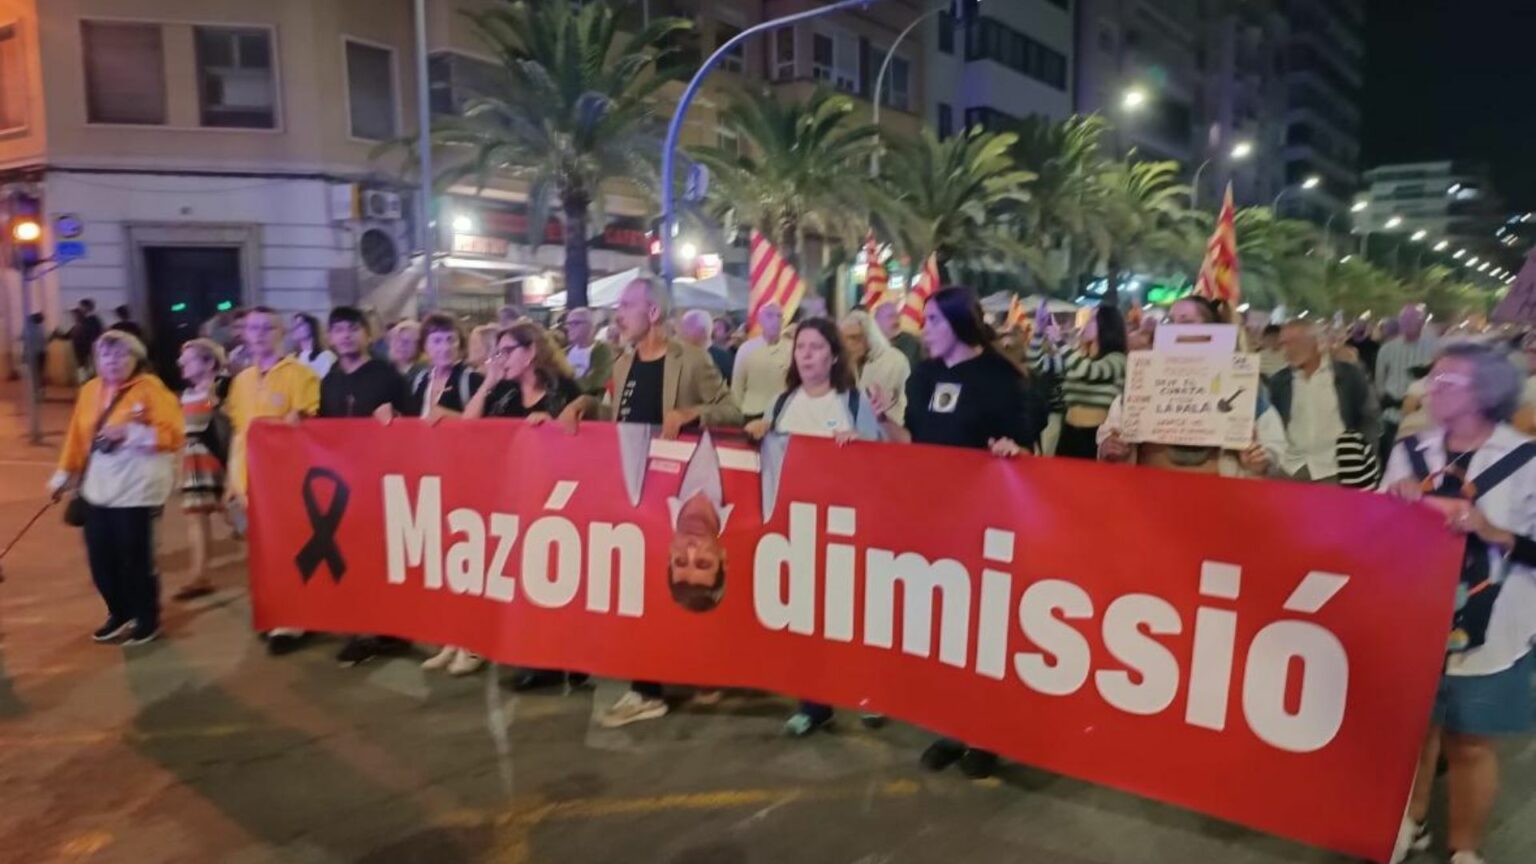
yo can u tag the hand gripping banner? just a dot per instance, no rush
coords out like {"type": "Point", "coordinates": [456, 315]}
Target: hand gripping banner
{"type": "Point", "coordinates": [1266, 653]}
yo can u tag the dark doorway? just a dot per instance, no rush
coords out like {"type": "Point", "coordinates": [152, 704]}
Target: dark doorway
{"type": "Point", "coordinates": [187, 286]}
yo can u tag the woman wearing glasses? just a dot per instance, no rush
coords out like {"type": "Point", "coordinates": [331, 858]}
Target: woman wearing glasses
{"type": "Point", "coordinates": [1472, 466]}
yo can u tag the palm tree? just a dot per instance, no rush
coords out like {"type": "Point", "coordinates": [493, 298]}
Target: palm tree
{"type": "Point", "coordinates": [1062, 225]}
{"type": "Point", "coordinates": [802, 166]}
{"type": "Point", "coordinates": [1146, 215]}
{"type": "Point", "coordinates": [571, 110]}
{"type": "Point", "coordinates": [948, 197]}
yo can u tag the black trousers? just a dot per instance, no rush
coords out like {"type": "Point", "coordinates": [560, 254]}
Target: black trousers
{"type": "Point", "coordinates": [120, 545]}
{"type": "Point", "coordinates": [1078, 442]}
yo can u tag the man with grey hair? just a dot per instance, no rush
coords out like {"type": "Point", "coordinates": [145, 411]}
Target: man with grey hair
{"type": "Point", "coordinates": [1410, 349]}
{"type": "Point", "coordinates": [762, 364]}
{"type": "Point", "coordinates": [694, 328]}
{"type": "Point", "coordinates": [882, 370]}
{"type": "Point", "coordinates": [591, 360]}
{"type": "Point", "coordinates": [1319, 401]}
{"type": "Point", "coordinates": [661, 382]}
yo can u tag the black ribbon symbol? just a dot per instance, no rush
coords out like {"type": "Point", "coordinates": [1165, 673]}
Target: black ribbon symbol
{"type": "Point", "coordinates": [321, 547]}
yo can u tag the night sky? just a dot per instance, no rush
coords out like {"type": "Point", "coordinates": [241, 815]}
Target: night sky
{"type": "Point", "coordinates": [1454, 78]}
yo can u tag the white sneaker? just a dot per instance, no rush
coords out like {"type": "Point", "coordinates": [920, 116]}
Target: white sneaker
{"type": "Point", "coordinates": [1411, 837]}
{"type": "Point", "coordinates": [465, 663]}
{"type": "Point", "coordinates": [632, 708]}
{"type": "Point", "coordinates": [441, 659]}
{"type": "Point", "coordinates": [1468, 858]}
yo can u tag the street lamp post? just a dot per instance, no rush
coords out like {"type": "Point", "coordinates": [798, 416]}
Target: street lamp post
{"type": "Point", "coordinates": [1240, 151]}
{"type": "Point", "coordinates": [424, 145]}
{"type": "Point", "coordinates": [675, 127]}
{"type": "Point", "coordinates": [1307, 185]}
{"type": "Point", "coordinates": [885, 67]}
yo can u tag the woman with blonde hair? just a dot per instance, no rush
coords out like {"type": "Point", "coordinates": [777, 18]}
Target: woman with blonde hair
{"type": "Point", "coordinates": [119, 456]}
{"type": "Point", "coordinates": [880, 368]}
{"type": "Point", "coordinates": [482, 344]}
{"type": "Point", "coordinates": [208, 433]}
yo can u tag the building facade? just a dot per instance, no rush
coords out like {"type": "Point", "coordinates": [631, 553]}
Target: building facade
{"type": "Point", "coordinates": [223, 153]}
{"type": "Point", "coordinates": [1015, 61]}
{"type": "Point", "coordinates": [1324, 73]}
{"type": "Point", "coordinates": [1451, 202]}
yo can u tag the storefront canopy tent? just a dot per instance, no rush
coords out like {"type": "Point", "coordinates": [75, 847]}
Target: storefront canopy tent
{"type": "Point", "coordinates": [719, 293]}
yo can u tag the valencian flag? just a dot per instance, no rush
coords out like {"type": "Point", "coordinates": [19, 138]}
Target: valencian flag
{"type": "Point", "coordinates": [877, 282]}
{"type": "Point", "coordinates": [773, 280]}
{"type": "Point", "coordinates": [924, 286]}
{"type": "Point", "coordinates": [1218, 274]}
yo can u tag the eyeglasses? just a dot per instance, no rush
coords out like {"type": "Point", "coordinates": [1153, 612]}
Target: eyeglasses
{"type": "Point", "coordinates": [502, 351]}
{"type": "Point", "coordinates": [1450, 379]}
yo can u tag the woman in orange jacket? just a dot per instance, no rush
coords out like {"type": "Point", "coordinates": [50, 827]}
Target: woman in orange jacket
{"type": "Point", "coordinates": [120, 457]}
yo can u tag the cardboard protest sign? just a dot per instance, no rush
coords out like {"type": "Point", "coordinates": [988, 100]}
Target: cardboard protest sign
{"type": "Point", "coordinates": [1191, 399]}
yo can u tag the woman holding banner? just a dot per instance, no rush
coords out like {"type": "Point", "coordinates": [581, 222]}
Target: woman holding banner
{"type": "Point", "coordinates": [1092, 374]}
{"type": "Point", "coordinates": [821, 399]}
{"type": "Point", "coordinates": [1473, 467]}
{"type": "Point", "coordinates": [967, 394]}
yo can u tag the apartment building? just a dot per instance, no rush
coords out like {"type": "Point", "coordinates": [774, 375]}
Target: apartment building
{"type": "Point", "coordinates": [1324, 72]}
{"type": "Point", "coordinates": [1014, 61]}
{"type": "Point", "coordinates": [221, 153]}
{"type": "Point", "coordinates": [1449, 201]}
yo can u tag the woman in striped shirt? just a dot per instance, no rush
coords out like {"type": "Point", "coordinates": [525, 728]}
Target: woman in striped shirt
{"type": "Point", "coordinates": [1092, 374]}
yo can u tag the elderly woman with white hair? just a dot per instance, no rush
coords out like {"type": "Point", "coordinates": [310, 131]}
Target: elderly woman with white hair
{"type": "Point", "coordinates": [119, 456]}
{"type": "Point", "coordinates": [1473, 467]}
{"type": "Point", "coordinates": [878, 365]}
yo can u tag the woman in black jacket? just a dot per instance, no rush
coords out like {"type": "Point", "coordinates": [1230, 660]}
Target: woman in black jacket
{"type": "Point", "coordinates": [445, 386]}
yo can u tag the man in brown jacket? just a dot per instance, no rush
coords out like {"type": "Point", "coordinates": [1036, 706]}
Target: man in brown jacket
{"type": "Point", "coordinates": [665, 383]}
{"type": "Point", "coordinates": [660, 380]}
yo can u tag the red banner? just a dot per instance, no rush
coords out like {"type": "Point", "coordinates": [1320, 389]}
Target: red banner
{"type": "Point", "coordinates": [1265, 653]}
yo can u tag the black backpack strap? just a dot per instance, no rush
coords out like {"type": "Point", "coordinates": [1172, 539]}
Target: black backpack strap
{"type": "Point", "coordinates": [853, 407]}
{"type": "Point", "coordinates": [1415, 457]}
{"type": "Point", "coordinates": [778, 408]}
{"type": "Point", "coordinates": [1503, 469]}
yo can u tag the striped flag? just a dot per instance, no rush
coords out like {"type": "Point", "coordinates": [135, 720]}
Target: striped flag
{"type": "Point", "coordinates": [1218, 278]}
{"type": "Point", "coordinates": [877, 282]}
{"type": "Point", "coordinates": [924, 286]}
{"type": "Point", "coordinates": [772, 280]}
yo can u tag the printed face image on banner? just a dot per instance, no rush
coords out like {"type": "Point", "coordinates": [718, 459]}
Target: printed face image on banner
{"type": "Point", "coordinates": [1283, 631]}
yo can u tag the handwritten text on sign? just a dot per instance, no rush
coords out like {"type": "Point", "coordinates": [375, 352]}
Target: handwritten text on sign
{"type": "Point", "coordinates": [1194, 400]}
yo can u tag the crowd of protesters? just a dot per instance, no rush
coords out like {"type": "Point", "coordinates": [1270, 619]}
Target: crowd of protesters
{"type": "Point", "coordinates": [1444, 417]}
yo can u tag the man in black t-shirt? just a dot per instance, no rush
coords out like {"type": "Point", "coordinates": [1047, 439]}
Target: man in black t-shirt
{"type": "Point", "coordinates": [660, 382]}
{"type": "Point", "coordinates": [360, 386]}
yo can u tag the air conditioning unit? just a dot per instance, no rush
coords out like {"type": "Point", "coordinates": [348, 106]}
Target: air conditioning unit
{"type": "Point", "coordinates": [382, 247]}
{"type": "Point", "coordinates": [381, 206]}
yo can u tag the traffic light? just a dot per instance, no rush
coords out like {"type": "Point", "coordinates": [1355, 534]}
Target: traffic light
{"type": "Point", "coordinates": [653, 246]}
{"type": "Point", "coordinates": [964, 11]}
{"type": "Point", "coordinates": [25, 230]}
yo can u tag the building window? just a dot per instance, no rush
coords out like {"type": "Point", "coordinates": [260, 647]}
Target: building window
{"type": "Point", "coordinates": [993, 40]}
{"type": "Point", "coordinates": [371, 91]}
{"type": "Point", "coordinates": [835, 59]}
{"type": "Point", "coordinates": [946, 120]}
{"type": "Point", "coordinates": [735, 61]}
{"type": "Point", "coordinates": [784, 54]}
{"type": "Point", "coordinates": [124, 72]}
{"type": "Point", "coordinates": [946, 33]}
{"type": "Point", "coordinates": [990, 119]}
{"type": "Point", "coordinates": [454, 79]}
{"type": "Point", "coordinates": [898, 85]}
{"type": "Point", "coordinates": [235, 84]}
{"type": "Point", "coordinates": [726, 139]}
{"type": "Point", "coordinates": [13, 93]}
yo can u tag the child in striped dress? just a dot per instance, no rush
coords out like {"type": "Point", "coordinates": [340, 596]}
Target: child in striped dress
{"type": "Point", "coordinates": [202, 469]}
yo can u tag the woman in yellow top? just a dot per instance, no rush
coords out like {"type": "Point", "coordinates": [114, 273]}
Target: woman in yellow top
{"type": "Point", "coordinates": [120, 455]}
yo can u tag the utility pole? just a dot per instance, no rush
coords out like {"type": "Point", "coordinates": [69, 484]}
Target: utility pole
{"type": "Point", "coordinates": [424, 151]}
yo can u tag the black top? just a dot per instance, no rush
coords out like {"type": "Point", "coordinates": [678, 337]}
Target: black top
{"type": "Point", "coordinates": [968, 404]}
{"type": "Point", "coordinates": [725, 359]}
{"type": "Point", "coordinates": [360, 393]}
{"type": "Point", "coordinates": [506, 399]}
{"type": "Point", "coordinates": [462, 384]}
{"type": "Point", "coordinates": [640, 401]}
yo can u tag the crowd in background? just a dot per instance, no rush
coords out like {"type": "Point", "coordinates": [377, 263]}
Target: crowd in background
{"type": "Point", "coordinates": [1439, 414]}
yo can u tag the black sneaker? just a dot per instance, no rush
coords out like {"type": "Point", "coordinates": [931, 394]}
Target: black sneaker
{"type": "Point", "coordinates": [279, 644]}
{"type": "Point", "coordinates": [142, 636]}
{"type": "Point", "coordinates": [111, 630]}
{"type": "Point", "coordinates": [359, 649]}
{"type": "Point", "coordinates": [942, 753]}
{"type": "Point", "coordinates": [978, 764]}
